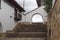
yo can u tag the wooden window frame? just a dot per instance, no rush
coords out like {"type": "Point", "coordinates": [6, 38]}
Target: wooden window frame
{"type": "Point", "coordinates": [17, 16]}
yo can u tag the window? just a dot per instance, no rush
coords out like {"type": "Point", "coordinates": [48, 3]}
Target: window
{"type": "Point", "coordinates": [37, 18]}
{"type": "Point", "coordinates": [0, 4]}
{"type": "Point", "coordinates": [17, 16]}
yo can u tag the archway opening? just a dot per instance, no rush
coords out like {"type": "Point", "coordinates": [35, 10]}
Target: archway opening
{"type": "Point", "coordinates": [37, 18]}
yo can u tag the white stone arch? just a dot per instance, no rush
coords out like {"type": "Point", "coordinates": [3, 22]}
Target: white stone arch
{"type": "Point", "coordinates": [39, 20]}
{"type": "Point", "coordinates": [39, 10]}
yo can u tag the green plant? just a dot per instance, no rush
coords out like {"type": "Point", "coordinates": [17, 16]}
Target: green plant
{"type": "Point", "coordinates": [48, 5]}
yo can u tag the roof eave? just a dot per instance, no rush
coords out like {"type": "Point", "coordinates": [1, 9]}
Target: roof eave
{"type": "Point", "coordinates": [14, 4]}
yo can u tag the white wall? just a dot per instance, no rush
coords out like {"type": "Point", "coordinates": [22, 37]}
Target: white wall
{"type": "Point", "coordinates": [40, 11]}
{"type": "Point", "coordinates": [5, 12]}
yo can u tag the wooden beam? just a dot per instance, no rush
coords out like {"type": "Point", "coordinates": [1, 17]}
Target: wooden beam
{"type": "Point", "coordinates": [15, 5]}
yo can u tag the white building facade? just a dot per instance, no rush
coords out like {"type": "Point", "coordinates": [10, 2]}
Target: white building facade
{"type": "Point", "coordinates": [7, 16]}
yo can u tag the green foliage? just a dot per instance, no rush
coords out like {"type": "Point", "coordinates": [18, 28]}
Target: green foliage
{"type": "Point", "coordinates": [48, 5]}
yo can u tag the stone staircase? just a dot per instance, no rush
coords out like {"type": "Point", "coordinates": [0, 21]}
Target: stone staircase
{"type": "Point", "coordinates": [22, 39]}
{"type": "Point", "coordinates": [27, 31]}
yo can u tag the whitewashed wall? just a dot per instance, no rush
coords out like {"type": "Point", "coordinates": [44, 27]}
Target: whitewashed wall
{"type": "Point", "coordinates": [5, 12]}
{"type": "Point", "coordinates": [40, 10]}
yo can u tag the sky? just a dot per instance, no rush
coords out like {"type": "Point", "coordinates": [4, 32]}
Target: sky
{"type": "Point", "coordinates": [29, 5]}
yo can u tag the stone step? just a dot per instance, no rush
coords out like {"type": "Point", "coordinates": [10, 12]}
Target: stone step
{"type": "Point", "coordinates": [30, 28]}
{"type": "Point", "coordinates": [22, 38]}
{"type": "Point", "coordinates": [27, 34]}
